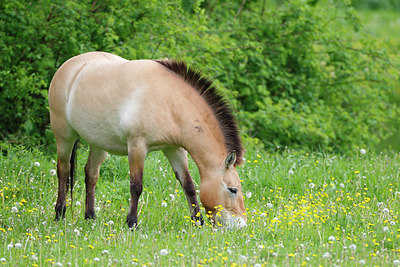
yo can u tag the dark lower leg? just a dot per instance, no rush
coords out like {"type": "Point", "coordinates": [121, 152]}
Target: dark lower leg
{"type": "Point", "coordinates": [190, 192]}
{"type": "Point", "coordinates": [90, 181]}
{"type": "Point", "coordinates": [62, 173]}
{"type": "Point", "coordinates": [136, 187]}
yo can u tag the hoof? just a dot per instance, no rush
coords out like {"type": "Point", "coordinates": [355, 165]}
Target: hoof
{"type": "Point", "coordinates": [197, 220]}
{"type": "Point", "coordinates": [132, 222]}
{"type": "Point", "coordinates": [90, 216]}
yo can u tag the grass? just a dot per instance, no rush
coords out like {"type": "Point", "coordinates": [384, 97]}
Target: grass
{"type": "Point", "coordinates": [303, 209]}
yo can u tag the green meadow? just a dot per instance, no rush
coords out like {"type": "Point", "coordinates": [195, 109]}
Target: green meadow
{"type": "Point", "coordinates": [305, 209]}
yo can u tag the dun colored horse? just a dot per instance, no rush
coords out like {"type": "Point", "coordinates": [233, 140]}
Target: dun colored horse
{"type": "Point", "coordinates": [135, 107]}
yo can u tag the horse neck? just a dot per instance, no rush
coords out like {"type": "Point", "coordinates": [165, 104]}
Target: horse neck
{"type": "Point", "coordinates": [208, 151]}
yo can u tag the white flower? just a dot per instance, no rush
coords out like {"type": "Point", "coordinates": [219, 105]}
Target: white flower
{"type": "Point", "coordinates": [53, 172]}
{"type": "Point", "coordinates": [274, 254]}
{"type": "Point", "coordinates": [311, 185]}
{"type": "Point", "coordinates": [163, 252]}
{"type": "Point", "coordinates": [96, 259]}
{"type": "Point", "coordinates": [59, 264]}
{"type": "Point", "coordinates": [18, 245]}
{"type": "Point", "coordinates": [291, 172]}
{"type": "Point", "coordinates": [332, 238]}
{"type": "Point", "coordinates": [353, 247]}
{"type": "Point", "coordinates": [257, 265]}
{"type": "Point", "coordinates": [37, 164]}
{"type": "Point", "coordinates": [243, 257]}
{"type": "Point", "coordinates": [385, 210]}
{"type": "Point", "coordinates": [392, 223]}
{"type": "Point", "coordinates": [97, 209]}
{"type": "Point", "coordinates": [34, 257]}
{"type": "Point", "coordinates": [10, 246]}
{"type": "Point", "coordinates": [396, 262]}
{"type": "Point", "coordinates": [248, 194]}
{"type": "Point", "coordinates": [341, 185]}
{"type": "Point", "coordinates": [14, 209]}
{"type": "Point", "coordinates": [3, 260]}
{"type": "Point", "coordinates": [172, 197]}
{"type": "Point", "coordinates": [104, 252]}
{"type": "Point", "coordinates": [362, 262]}
{"type": "Point", "coordinates": [326, 255]}
{"type": "Point", "coordinates": [270, 205]}
{"type": "Point", "coordinates": [307, 259]}
{"type": "Point", "coordinates": [260, 246]}
{"type": "Point", "coordinates": [164, 204]}
{"type": "Point", "coordinates": [362, 151]}
{"type": "Point", "coordinates": [110, 223]}
{"type": "Point", "coordinates": [76, 231]}
{"type": "Point", "coordinates": [385, 229]}
{"type": "Point", "coordinates": [78, 203]}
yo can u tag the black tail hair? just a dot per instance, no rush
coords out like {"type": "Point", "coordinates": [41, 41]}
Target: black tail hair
{"type": "Point", "coordinates": [72, 163]}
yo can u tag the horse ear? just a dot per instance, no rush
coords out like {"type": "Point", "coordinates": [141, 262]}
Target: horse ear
{"type": "Point", "coordinates": [230, 160]}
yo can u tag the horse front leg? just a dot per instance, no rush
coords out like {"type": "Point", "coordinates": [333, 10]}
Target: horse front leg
{"type": "Point", "coordinates": [178, 160]}
{"type": "Point", "coordinates": [136, 155]}
{"type": "Point", "coordinates": [92, 168]}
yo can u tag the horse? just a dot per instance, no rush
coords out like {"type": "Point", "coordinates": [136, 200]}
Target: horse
{"type": "Point", "coordinates": [133, 107]}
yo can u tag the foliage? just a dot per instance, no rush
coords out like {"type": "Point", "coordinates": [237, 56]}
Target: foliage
{"type": "Point", "coordinates": [377, 4]}
{"type": "Point", "coordinates": [303, 209]}
{"type": "Point", "coordinates": [293, 71]}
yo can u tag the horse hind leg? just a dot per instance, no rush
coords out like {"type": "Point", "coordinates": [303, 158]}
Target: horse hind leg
{"type": "Point", "coordinates": [177, 157]}
{"type": "Point", "coordinates": [92, 168]}
{"type": "Point", "coordinates": [65, 155]}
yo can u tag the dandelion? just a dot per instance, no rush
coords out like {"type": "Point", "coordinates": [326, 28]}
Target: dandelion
{"type": "Point", "coordinates": [34, 257]}
{"type": "Point", "coordinates": [361, 262]}
{"type": "Point", "coordinates": [307, 259]}
{"type": "Point", "coordinates": [96, 259]}
{"type": "Point", "coordinates": [385, 229]}
{"type": "Point", "coordinates": [291, 172]}
{"type": "Point", "coordinates": [392, 223]}
{"type": "Point", "coordinates": [274, 254]}
{"type": "Point", "coordinates": [78, 203]}
{"type": "Point", "coordinates": [332, 238]}
{"type": "Point", "coordinates": [97, 209]}
{"type": "Point", "coordinates": [76, 231]}
{"type": "Point", "coordinates": [243, 257]}
{"type": "Point", "coordinates": [362, 151]}
{"type": "Point", "coordinates": [172, 197]}
{"type": "Point", "coordinates": [18, 245]}
{"type": "Point", "coordinates": [257, 265]}
{"type": "Point", "coordinates": [105, 252]}
{"type": "Point", "coordinates": [110, 223]}
{"type": "Point", "coordinates": [3, 260]}
{"type": "Point", "coordinates": [353, 248]}
{"type": "Point", "coordinates": [385, 210]}
{"type": "Point", "coordinates": [326, 255]}
{"type": "Point", "coordinates": [270, 205]}
{"type": "Point", "coordinates": [10, 246]}
{"type": "Point", "coordinates": [341, 185]}
{"type": "Point", "coordinates": [311, 185]}
{"type": "Point", "coordinates": [37, 164]}
{"type": "Point", "coordinates": [396, 262]}
{"type": "Point", "coordinates": [248, 194]}
{"type": "Point", "coordinates": [14, 209]}
{"type": "Point", "coordinates": [53, 172]}
{"type": "Point", "coordinates": [59, 264]}
{"type": "Point", "coordinates": [163, 252]}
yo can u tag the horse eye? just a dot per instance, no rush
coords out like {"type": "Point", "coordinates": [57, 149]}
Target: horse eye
{"type": "Point", "coordinates": [232, 190]}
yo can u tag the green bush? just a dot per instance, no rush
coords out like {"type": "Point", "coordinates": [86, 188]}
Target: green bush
{"type": "Point", "coordinates": [298, 74]}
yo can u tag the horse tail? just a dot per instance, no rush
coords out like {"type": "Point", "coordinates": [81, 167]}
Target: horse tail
{"type": "Point", "coordinates": [72, 163]}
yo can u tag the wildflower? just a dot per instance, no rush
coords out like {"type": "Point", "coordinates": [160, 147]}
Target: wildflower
{"type": "Point", "coordinates": [341, 185]}
{"type": "Point", "coordinates": [243, 258]}
{"type": "Point", "coordinates": [164, 204]}
{"type": "Point", "coordinates": [274, 254]}
{"type": "Point", "coordinates": [396, 262]}
{"type": "Point", "coordinates": [76, 231]}
{"type": "Point", "coordinates": [361, 262]}
{"type": "Point", "coordinates": [163, 252]}
{"type": "Point", "coordinates": [257, 265]}
{"type": "Point", "coordinates": [97, 209]}
{"type": "Point", "coordinates": [270, 205]}
{"type": "Point", "coordinates": [385, 229]}
{"type": "Point", "coordinates": [307, 259]}
{"type": "Point", "coordinates": [248, 194]}
{"type": "Point", "coordinates": [59, 264]}
{"type": "Point", "coordinates": [392, 223]}
{"type": "Point", "coordinates": [172, 197]}
{"type": "Point", "coordinates": [353, 247]}
{"type": "Point", "coordinates": [332, 238]}
{"type": "Point", "coordinates": [96, 259]}
{"type": "Point", "coordinates": [110, 223]}
{"type": "Point", "coordinates": [291, 172]}
{"type": "Point", "coordinates": [37, 164]}
{"type": "Point", "coordinates": [34, 257]}
{"type": "Point", "coordinates": [53, 172]}
{"type": "Point", "coordinates": [385, 210]}
{"type": "Point", "coordinates": [3, 260]}
{"type": "Point", "coordinates": [18, 245]}
{"type": "Point", "coordinates": [14, 209]}
{"type": "Point", "coordinates": [104, 252]}
{"type": "Point", "coordinates": [311, 185]}
{"type": "Point", "coordinates": [327, 255]}
{"type": "Point", "coordinates": [78, 203]}
{"type": "Point", "coordinates": [362, 151]}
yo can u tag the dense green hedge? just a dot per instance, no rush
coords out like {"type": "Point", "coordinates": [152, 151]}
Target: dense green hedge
{"type": "Point", "coordinates": [298, 74]}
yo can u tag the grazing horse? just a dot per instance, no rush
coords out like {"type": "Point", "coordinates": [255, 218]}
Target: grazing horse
{"type": "Point", "coordinates": [134, 107]}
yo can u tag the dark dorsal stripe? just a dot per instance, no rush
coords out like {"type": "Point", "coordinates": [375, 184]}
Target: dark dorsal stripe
{"type": "Point", "coordinates": [218, 105]}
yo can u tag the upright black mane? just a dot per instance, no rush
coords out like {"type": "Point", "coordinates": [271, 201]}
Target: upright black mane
{"type": "Point", "coordinates": [218, 105]}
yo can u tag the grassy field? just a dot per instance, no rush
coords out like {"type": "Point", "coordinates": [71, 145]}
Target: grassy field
{"type": "Point", "coordinates": [303, 209]}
